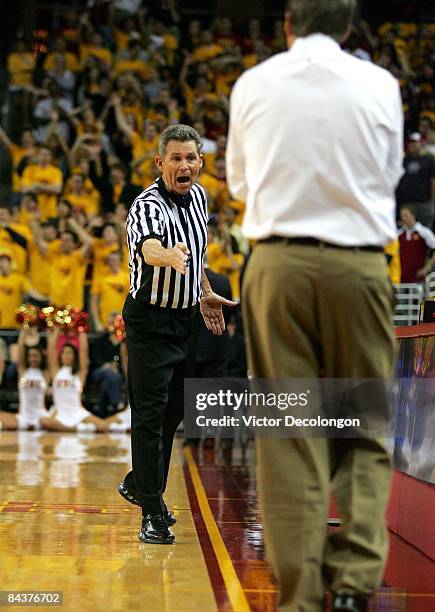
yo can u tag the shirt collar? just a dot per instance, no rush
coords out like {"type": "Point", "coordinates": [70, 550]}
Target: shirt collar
{"type": "Point", "coordinates": [408, 231]}
{"type": "Point", "coordinates": [305, 46]}
{"type": "Point", "coordinates": [183, 201]}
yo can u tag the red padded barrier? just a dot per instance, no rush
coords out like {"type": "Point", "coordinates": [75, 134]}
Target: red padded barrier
{"type": "Point", "coordinates": [415, 331]}
{"type": "Point", "coordinates": [411, 508]}
{"type": "Point", "coordinates": [414, 503]}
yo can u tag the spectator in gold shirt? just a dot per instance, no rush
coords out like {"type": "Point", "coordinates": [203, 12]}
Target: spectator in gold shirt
{"type": "Point", "coordinates": [17, 153]}
{"type": "Point", "coordinates": [29, 209]}
{"type": "Point", "coordinates": [68, 265]}
{"type": "Point", "coordinates": [44, 179]}
{"type": "Point", "coordinates": [102, 248]}
{"type": "Point", "coordinates": [95, 49]}
{"type": "Point", "coordinates": [13, 288]}
{"type": "Point", "coordinates": [143, 150]}
{"type": "Point", "coordinates": [207, 50]}
{"type": "Point", "coordinates": [216, 184]}
{"type": "Point", "coordinates": [20, 64]}
{"type": "Point", "coordinates": [60, 50]}
{"type": "Point", "coordinates": [16, 237]}
{"type": "Point", "coordinates": [142, 166]}
{"type": "Point", "coordinates": [223, 257]}
{"type": "Point", "coordinates": [109, 291]}
{"type": "Point", "coordinates": [199, 95]}
{"type": "Point", "coordinates": [83, 199]}
{"type": "Point", "coordinates": [133, 59]}
{"type": "Point", "coordinates": [39, 262]}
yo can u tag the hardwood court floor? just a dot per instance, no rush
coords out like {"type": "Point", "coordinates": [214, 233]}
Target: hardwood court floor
{"type": "Point", "coordinates": [63, 527]}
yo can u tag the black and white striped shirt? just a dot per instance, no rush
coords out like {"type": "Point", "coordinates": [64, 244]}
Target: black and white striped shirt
{"type": "Point", "coordinates": [157, 214]}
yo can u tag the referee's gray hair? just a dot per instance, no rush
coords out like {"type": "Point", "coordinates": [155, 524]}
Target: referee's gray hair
{"type": "Point", "coordinates": [330, 17]}
{"type": "Point", "coordinates": [180, 132]}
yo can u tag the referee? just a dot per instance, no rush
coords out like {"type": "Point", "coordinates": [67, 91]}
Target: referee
{"type": "Point", "coordinates": [167, 237]}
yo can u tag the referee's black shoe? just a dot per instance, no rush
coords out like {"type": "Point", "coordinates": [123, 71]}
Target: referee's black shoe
{"type": "Point", "coordinates": [154, 530]}
{"type": "Point", "coordinates": [130, 494]}
{"type": "Point", "coordinates": [348, 602]}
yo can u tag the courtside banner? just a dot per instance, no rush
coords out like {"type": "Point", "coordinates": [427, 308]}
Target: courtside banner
{"type": "Point", "coordinates": [331, 408]}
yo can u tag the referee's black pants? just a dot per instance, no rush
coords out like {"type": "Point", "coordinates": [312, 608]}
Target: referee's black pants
{"type": "Point", "coordinates": [161, 353]}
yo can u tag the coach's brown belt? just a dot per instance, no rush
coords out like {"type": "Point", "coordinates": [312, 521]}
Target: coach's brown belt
{"type": "Point", "coordinates": [314, 242]}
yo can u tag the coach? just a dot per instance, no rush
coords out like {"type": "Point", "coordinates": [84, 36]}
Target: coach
{"type": "Point", "coordinates": [166, 235]}
{"type": "Point", "coordinates": [315, 148]}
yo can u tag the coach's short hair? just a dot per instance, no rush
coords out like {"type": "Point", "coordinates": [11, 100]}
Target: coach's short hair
{"type": "Point", "coordinates": [330, 17]}
{"type": "Point", "coordinates": [180, 132]}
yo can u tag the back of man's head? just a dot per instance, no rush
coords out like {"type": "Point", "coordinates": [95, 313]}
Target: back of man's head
{"type": "Point", "coordinates": [329, 17]}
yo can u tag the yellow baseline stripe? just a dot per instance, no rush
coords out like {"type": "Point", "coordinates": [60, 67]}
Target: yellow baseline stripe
{"type": "Point", "coordinates": [234, 588]}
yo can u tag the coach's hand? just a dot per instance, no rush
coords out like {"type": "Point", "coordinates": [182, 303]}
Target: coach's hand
{"type": "Point", "coordinates": [178, 257]}
{"type": "Point", "coordinates": [211, 310]}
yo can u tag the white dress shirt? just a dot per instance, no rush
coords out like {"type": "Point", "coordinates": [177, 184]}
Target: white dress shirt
{"type": "Point", "coordinates": [315, 146]}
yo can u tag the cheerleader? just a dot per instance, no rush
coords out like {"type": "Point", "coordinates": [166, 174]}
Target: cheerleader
{"type": "Point", "coordinates": [32, 386]}
{"type": "Point", "coordinates": [68, 373]}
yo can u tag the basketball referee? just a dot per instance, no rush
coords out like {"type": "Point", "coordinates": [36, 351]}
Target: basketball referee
{"type": "Point", "coordinates": [167, 237]}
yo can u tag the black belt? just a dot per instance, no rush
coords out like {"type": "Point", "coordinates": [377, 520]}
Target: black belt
{"type": "Point", "coordinates": [317, 243]}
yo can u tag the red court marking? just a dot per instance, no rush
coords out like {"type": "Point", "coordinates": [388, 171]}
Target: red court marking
{"type": "Point", "coordinates": [234, 507]}
{"type": "Point", "coordinates": [216, 579]}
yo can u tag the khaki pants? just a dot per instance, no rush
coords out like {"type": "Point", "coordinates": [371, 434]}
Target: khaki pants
{"type": "Point", "coordinates": [309, 308]}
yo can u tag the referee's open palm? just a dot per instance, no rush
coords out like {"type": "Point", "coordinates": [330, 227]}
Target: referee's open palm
{"type": "Point", "coordinates": [211, 310]}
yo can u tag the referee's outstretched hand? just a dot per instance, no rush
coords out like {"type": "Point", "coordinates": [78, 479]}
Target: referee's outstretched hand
{"type": "Point", "coordinates": [211, 310]}
{"type": "Point", "coordinates": [179, 256]}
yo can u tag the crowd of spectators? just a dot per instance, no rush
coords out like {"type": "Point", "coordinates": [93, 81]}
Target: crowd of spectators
{"type": "Point", "coordinates": [85, 111]}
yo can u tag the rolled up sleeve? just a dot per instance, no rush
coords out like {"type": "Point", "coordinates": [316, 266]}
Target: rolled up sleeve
{"type": "Point", "coordinates": [145, 220]}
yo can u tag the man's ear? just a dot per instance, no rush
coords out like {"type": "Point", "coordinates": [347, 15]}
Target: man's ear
{"type": "Point", "coordinates": [159, 162]}
{"type": "Point", "coordinates": [201, 160]}
{"type": "Point", "coordinates": [288, 27]}
{"type": "Point", "coordinates": [346, 34]}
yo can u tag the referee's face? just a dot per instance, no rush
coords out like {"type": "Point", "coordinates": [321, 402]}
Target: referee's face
{"type": "Point", "coordinates": [180, 166]}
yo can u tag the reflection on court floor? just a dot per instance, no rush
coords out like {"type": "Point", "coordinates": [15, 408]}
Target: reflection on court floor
{"type": "Point", "coordinates": [64, 527]}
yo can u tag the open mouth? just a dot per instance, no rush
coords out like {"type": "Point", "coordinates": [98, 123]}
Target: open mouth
{"type": "Point", "coordinates": [183, 179]}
